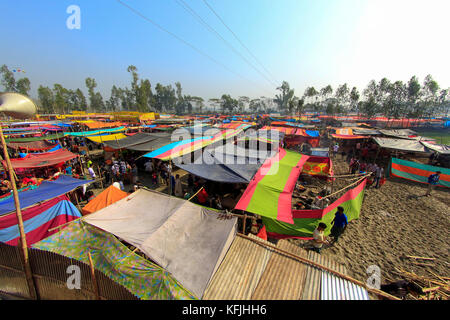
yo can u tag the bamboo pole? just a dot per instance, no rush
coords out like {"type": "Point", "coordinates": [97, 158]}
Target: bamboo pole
{"type": "Point", "coordinates": [350, 185]}
{"type": "Point", "coordinates": [243, 223]}
{"type": "Point", "coordinates": [76, 199]}
{"type": "Point", "coordinates": [317, 265]}
{"type": "Point", "coordinates": [100, 175]}
{"type": "Point", "coordinates": [94, 279]}
{"type": "Point", "coordinates": [23, 240]}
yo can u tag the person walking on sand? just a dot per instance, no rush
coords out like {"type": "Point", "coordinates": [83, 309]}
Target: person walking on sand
{"type": "Point", "coordinates": [319, 238]}
{"type": "Point", "coordinates": [432, 182]}
{"type": "Point", "coordinates": [340, 222]}
{"type": "Point", "coordinates": [379, 172]}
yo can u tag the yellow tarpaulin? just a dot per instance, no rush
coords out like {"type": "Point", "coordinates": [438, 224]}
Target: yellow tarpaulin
{"type": "Point", "coordinates": [101, 139]}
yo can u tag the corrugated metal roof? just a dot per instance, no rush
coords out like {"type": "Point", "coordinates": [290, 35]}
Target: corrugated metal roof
{"type": "Point", "coordinates": [334, 288]}
{"type": "Point", "coordinates": [284, 276]}
{"type": "Point", "coordinates": [311, 290]}
{"type": "Point", "coordinates": [240, 271]}
{"type": "Point", "coordinates": [251, 271]}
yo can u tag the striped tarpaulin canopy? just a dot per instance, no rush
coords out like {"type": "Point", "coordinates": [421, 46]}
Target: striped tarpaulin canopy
{"type": "Point", "coordinates": [418, 172]}
{"type": "Point", "coordinates": [269, 194]}
{"type": "Point", "coordinates": [305, 221]}
{"type": "Point", "coordinates": [38, 220]}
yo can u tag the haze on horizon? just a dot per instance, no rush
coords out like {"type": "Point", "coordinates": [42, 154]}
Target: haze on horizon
{"type": "Point", "coordinates": [306, 43]}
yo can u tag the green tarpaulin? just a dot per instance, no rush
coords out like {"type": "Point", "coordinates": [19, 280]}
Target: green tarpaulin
{"type": "Point", "coordinates": [31, 139]}
{"type": "Point", "coordinates": [305, 221]}
{"type": "Point", "coordinates": [141, 277]}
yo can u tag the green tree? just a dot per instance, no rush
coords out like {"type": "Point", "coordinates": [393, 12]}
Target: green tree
{"type": "Point", "coordinates": [370, 107]}
{"type": "Point", "coordinates": [46, 99]}
{"type": "Point", "coordinates": [430, 95]}
{"type": "Point", "coordinates": [95, 98]}
{"type": "Point", "coordinates": [354, 98]}
{"type": "Point", "coordinates": [342, 96]}
{"type": "Point", "coordinates": [414, 90]}
{"type": "Point", "coordinates": [62, 98]}
{"type": "Point", "coordinates": [228, 103]}
{"type": "Point", "coordinates": [8, 80]}
{"type": "Point", "coordinates": [23, 86]}
{"type": "Point", "coordinates": [282, 100]}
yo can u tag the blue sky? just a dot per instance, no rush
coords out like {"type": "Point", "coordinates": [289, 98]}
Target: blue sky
{"type": "Point", "coordinates": [305, 42]}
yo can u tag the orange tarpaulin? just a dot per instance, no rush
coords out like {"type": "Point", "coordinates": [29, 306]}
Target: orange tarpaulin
{"type": "Point", "coordinates": [99, 124]}
{"type": "Point", "coordinates": [104, 199]}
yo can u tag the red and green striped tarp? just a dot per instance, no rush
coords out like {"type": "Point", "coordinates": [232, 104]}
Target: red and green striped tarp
{"type": "Point", "coordinates": [269, 194]}
{"type": "Point", "coordinates": [418, 172]}
{"type": "Point", "coordinates": [305, 221]}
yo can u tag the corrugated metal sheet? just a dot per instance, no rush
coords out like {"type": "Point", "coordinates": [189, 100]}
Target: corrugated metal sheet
{"type": "Point", "coordinates": [313, 279]}
{"type": "Point", "coordinates": [240, 271]}
{"type": "Point", "coordinates": [284, 276]}
{"type": "Point", "coordinates": [334, 288]}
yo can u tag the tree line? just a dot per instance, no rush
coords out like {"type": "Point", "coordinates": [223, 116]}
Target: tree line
{"type": "Point", "coordinates": [391, 99]}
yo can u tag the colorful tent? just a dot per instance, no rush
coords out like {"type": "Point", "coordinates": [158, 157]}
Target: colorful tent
{"type": "Point", "coordinates": [184, 147]}
{"type": "Point", "coordinates": [38, 220]}
{"type": "Point", "coordinates": [46, 190]}
{"type": "Point", "coordinates": [38, 160]}
{"type": "Point", "coordinates": [38, 138]}
{"type": "Point", "coordinates": [95, 132]}
{"type": "Point", "coordinates": [305, 221]}
{"type": "Point", "coordinates": [104, 199]}
{"type": "Point", "coordinates": [418, 172]}
{"type": "Point", "coordinates": [106, 137]}
{"type": "Point", "coordinates": [32, 146]}
{"type": "Point", "coordinates": [141, 141]}
{"type": "Point", "coordinates": [318, 166]}
{"type": "Point", "coordinates": [269, 194]}
{"type": "Point", "coordinates": [97, 124]}
{"type": "Point", "coordinates": [400, 144]}
{"type": "Point", "coordinates": [141, 277]}
{"type": "Point", "coordinates": [186, 239]}
{"type": "Point", "coordinates": [216, 165]}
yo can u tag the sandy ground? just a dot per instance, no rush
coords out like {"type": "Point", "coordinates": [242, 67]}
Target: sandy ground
{"type": "Point", "coordinates": [395, 220]}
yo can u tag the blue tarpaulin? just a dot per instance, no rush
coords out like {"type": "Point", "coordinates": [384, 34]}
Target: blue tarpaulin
{"type": "Point", "coordinates": [47, 190]}
{"type": "Point", "coordinates": [312, 133]}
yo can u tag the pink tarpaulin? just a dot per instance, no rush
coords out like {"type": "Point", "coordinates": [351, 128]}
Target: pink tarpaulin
{"type": "Point", "coordinates": [41, 159]}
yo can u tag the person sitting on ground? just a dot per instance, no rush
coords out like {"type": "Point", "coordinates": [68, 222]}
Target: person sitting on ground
{"type": "Point", "coordinates": [319, 238]}
{"type": "Point", "coordinates": [68, 170]}
{"type": "Point", "coordinates": [340, 222]}
{"type": "Point", "coordinates": [90, 195]}
{"type": "Point", "coordinates": [433, 180]}
{"type": "Point", "coordinates": [202, 196]}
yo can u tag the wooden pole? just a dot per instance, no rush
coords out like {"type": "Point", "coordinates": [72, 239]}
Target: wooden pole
{"type": "Point", "coordinates": [94, 279]}
{"type": "Point", "coordinates": [23, 240]}
{"type": "Point", "coordinates": [76, 199]}
{"type": "Point", "coordinates": [243, 224]}
{"type": "Point", "coordinates": [374, 291]}
{"type": "Point", "coordinates": [100, 175]}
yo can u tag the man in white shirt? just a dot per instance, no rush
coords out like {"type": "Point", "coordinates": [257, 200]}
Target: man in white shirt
{"type": "Point", "coordinates": [319, 237]}
{"type": "Point", "coordinates": [148, 166]}
{"type": "Point", "coordinates": [91, 172]}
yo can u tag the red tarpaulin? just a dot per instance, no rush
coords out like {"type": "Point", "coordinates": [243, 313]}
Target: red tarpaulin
{"type": "Point", "coordinates": [32, 145]}
{"type": "Point", "coordinates": [41, 159]}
